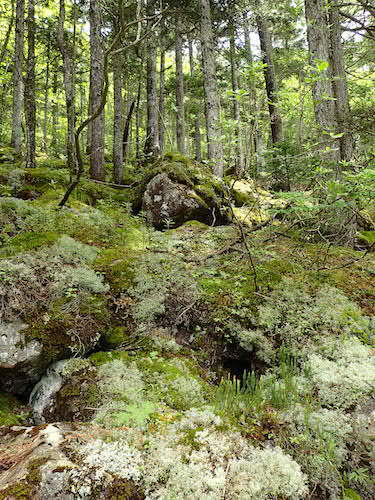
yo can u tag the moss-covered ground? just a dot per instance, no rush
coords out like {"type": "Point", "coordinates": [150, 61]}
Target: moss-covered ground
{"type": "Point", "coordinates": [268, 332]}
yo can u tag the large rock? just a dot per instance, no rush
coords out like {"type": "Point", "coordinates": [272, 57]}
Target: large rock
{"type": "Point", "coordinates": [39, 463]}
{"type": "Point", "coordinates": [19, 358]}
{"type": "Point", "coordinates": [168, 203]}
{"type": "Point", "coordinates": [62, 392]}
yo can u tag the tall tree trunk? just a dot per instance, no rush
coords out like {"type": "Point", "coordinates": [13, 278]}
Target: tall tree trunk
{"type": "Point", "coordinates": [215, 147]}
{"type": "Point", "coordinates": [340, 89]}
{"type": "Point", "coordinates": [270, 79]}
{"type": "Point", "coordinates": [126, 139]}
{"type": "Point", "coordinates": [18, 90]}
{"type": "Point", "coordinates": [162, 100]}
{"type": "Point", "coordinates": [239, 157]}
{"type": "Point", "coordinates": [256, 132]}
{"type": "Point", "coordinates": [152, 148]}
{"type": "Point", "coordinates": [138, 120]}
{"type": "Point", "coordinates": [30, 102]}
{"type": "Point", "coordinates": [197, 140]}
{"type": "Point", "coordinates": [55, 109]}
{"type": "Point", "coordinates": [117, 154]}
{"type": "Point", "coordinates": [5, 42]}
{"type": "Point", "coordinates": [67, 52]}
{"type": "Point", "coordinates": [319, 50]}
{"type": "Point", "coordinates": [46, 95]}
{"type": "Point", "coordinates": [96, 90]}
{"type": "Point", "coordinates": [180, 90]}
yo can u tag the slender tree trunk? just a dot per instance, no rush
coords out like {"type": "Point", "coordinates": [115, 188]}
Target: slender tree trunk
{"type": "Point", "coordinates": [197, 139]}
{"type": "Point", "coordinates": [18, 89]}
{"type": "Point", "coordinates": [215, 146]}
{"type": "Point", "coordinates": [30, 102]}
{"type": "Point", "coordinates": [180, 91]}
{"type": "Point", "coordinates": [96, 91]}
{"type": "Point", "coordinates": [239, 157]}
{"type": "Point", "coordinates": [67, 52]}
{"type": "Point", "coordinates": [5, 43]}
{"type": "Point", "coordinates": [162, 100]}
{"type": "Point", "coordinates": [46, 96]}
{"type": "Point", "coordinates": [319, 50]}
{"type": "Point", "coordinates": [126, 139]}
{"type": "Point", "coordinates": [152, 148]}
{"type": "Point", "coordinates": [138, 121]}
{"type": "Point", "coordinates": [55, 110]}
{"type": "Point", "coordinates": [118, 83]}
{"type": "Point", "coordinates": [256, 132]}
{"type": "Point", "coordinates": [270, 79]}
{"type": "Point", "coordinates": [340, 89]}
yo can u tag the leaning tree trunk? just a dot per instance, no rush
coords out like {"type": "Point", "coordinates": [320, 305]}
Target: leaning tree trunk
{"type": "Point", "coordinates": [18, 90]}
{"type": "Point", "coordinates": [180, 91]}
{"type": "Point", "coordinates": [340, 89]}
{"type": "Point", "coordinates": [270, 79]}
{"type": "Point", "coordinates": [67, 52]}
{"type": "Point", "coordinates": [30, 102]}
{"type": "Point", "coordinates": [96, 91]}
{"type": "Point", "coordinates": [319, 50]}
{"type": "Point", "coordinates": [239, 157]}
{"type": "Point", "coordinates": [215, 147]}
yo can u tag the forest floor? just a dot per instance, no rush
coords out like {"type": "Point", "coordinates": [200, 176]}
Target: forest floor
{"type": "Point", "coordinates": [233, 361]}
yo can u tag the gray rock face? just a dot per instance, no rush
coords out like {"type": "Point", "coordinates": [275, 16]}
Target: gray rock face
{"type": "Point", "coordinates": [18, 358]}
{"type": "Point", "coordinates": [42, 396]}
{"type": "Point", "coordinates": [165, 202]}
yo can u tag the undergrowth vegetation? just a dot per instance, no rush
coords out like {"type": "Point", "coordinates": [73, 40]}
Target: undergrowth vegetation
{"type": "Point", "coordinates": [210, 377]}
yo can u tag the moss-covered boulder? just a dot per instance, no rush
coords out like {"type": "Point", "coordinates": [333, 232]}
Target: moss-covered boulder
{"type": "Point", "coordinates": [174, 190]}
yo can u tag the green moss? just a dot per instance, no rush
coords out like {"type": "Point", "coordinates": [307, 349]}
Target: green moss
{"type": "Point", "coordinates": [9, 410]}
{"type": "Point", "coordinates": [26, 242]}
{"type": "Point", "coordinates": [115, 336]}
{"type": "Point", "coordinates": [26, 488]}
{"type": "Point", "coordinates": [118, 266]}
{"type": "Point", "coordinates": [101, 358]}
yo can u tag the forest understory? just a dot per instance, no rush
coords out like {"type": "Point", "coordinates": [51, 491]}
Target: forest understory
{"type": "Point", "coordinates": [186, 250]}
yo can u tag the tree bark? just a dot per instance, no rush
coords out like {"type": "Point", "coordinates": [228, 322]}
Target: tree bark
{"type": "Point", "coordinates": [118, 154]}
{"type": "Point", "coordinates": [214, 140]}
{"type": "Point", "coordinates": [319, 51]}
{"type": "Point", "coordinates": [46, 95]}
{"type": "Point", "coordinates": [126, 142]}
{"type": "Point", "coordinates": [257, 143]}
{"type": "Point", "coordinates": [180, 90]}
{"type": "Point", "coordinates": [55, 110]}
{"type": "Point", "coordinates": [270, 79]}
{"type": "Point", "coordinates": [197, 139]}
{"type": "Point", "coordinates": [18, 88]}
{"type": "Point", "coordinates": [340, 89]}
{"type": "Point", "coordinates": [67, 52]}
{"type": "Point", "coordinates": [162, 101]}
{"type": "Point", "coordinates": [96, 91]}
{"type": "Point", "coordinates": [4, 45]}
{"type": "Point", "coordinates": [30, 102]}
{"type": "Point", "coordinates": [152, 148]}
{"type": "Point", "coordinates": [239, 157]}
